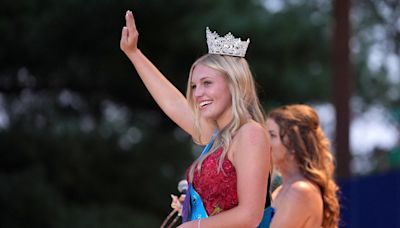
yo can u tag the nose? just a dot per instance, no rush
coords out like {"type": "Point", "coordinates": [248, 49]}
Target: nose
{"type": "Point", "coordinates": [198, 91]}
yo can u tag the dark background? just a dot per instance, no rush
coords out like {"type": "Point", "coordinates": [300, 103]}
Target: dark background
{"type": "Point", "coordinates": [82, 143]}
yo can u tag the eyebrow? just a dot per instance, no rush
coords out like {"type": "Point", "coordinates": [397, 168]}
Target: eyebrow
{"type": "Point", "coordinates": [202, 79]}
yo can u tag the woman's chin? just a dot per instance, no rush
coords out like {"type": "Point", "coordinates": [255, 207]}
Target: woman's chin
{"type": "Point", "coordinates": [207, 115]}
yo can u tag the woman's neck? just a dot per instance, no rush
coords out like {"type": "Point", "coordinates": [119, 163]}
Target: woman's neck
{"type": "Point", "coordinates": [224, 119]}
{"type": "Point", "coordinates": [291, 175]}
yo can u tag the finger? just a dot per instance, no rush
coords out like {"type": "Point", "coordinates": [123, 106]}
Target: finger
{"type": "Point", "coordinates": [130, 22]}
{"type": "Point", "coordinates": [124, 36]}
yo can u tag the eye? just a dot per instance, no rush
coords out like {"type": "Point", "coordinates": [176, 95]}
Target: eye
{"type": "Point", "coordinates": [207, 83]}
{"type": "Point", "coordinates": [193, 86]}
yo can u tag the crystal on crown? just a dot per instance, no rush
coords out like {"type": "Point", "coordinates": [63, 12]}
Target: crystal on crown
{"type": "Point", "coordinates": [227, 45]}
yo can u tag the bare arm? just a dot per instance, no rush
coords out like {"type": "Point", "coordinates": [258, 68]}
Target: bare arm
{"type": "Point", "coordinates": [167, 96]}
{"type": "Point", "coordinates": [251, 160]}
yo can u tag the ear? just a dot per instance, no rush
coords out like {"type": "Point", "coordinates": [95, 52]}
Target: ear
{"type": "Point", "coordinates": [292, 154]}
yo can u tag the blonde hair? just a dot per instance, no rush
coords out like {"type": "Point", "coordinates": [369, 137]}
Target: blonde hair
{"type": "Point", "coordinates": [245, 103]}
{"type": "Point", "coordinates": [300, 132]}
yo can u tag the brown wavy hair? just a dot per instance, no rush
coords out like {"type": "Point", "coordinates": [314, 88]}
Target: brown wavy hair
{"type": "Point", "coordinates": [300, 132]}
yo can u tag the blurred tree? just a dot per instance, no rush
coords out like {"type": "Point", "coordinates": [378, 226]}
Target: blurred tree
{"type": "Point", "coordinates": [82, 142]}
{"type": "Point", "coordinates": [376, 51]}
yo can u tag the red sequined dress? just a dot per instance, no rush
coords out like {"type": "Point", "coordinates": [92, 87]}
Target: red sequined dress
{"type": "Point", "coordinates": [218, 190]}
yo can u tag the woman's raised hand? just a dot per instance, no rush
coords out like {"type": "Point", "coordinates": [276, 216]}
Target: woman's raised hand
{"type": "Point", "coordinates": [129, 36]}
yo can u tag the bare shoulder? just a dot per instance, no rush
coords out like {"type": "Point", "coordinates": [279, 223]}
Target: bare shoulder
{"type": "Point", "coordinates": [250, 144]}
{"type": "Point", "coordinates": [302, 203]}
{"type": "Point", "coordinates": [304, 192]}
{"type": "Point", "coordinates": [252, 132]}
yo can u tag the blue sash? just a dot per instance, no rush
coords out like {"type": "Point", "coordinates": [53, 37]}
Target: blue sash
{"type": "Point", "coordinates": [193, 208]}
{"type": "Point", "coordinates": [198, 209]}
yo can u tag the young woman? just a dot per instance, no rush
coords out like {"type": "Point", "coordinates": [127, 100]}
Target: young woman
{"type": "Point", "coordinates": [222, 109]}
{"type": "Point", "coordinates": [300, 152]}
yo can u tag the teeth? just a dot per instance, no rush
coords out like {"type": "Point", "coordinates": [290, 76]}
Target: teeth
{"type": "Point", "coordinates": [204, 103]}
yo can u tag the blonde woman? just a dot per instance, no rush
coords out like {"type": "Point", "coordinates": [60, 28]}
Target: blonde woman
{"type": "Point", "coordinates": [221, 108]}
{"type": "Point", "coordinates": [300, 152]}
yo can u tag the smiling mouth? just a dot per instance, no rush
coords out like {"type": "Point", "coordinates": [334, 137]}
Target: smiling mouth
{"type": "Point", "coordinates": [203, 104]}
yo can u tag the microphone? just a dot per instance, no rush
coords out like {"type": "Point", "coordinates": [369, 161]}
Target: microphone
{"type": "Point", "coordinates": [183, 186]}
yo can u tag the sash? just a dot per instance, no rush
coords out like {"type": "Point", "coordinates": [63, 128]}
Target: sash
{"type": "Point", "coordinates": [193, 207]}
{"type": "Point", "coordinates": [198, 209]}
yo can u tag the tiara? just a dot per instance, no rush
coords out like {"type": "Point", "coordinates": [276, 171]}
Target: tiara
{"type": "Point", "coordinates": [227, 45]}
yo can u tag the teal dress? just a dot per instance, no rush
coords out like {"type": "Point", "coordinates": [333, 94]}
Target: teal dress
{"type": "Point", "coordinates": [267, 218]}
{"type": "Point", "coordinates": [269, 211]}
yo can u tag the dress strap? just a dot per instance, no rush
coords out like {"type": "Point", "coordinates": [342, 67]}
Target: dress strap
{"type": "Point", "coordinates": [210, 144]}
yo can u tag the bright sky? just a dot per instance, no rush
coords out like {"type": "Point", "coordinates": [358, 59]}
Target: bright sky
{"type": "Point", "coordinates": [369, 129]}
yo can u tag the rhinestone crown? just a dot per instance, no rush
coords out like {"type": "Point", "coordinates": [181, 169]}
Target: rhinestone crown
{"type": "Point", "coordinates": [227, 45]}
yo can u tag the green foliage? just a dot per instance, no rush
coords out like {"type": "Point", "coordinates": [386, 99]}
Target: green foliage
{"type": "Point", "coordinates": [82, 142]}
{"type": "Point", "coordinates": [58, 171]}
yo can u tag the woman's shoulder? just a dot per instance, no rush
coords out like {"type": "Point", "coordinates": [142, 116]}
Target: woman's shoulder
{"type": "Point", "coordinates": [252, 130]}
{"type": "Point", "coordinates": [251, 138]}
{"type": "Point", "coordinates": [300, 202]}
{"type": "Point", "coordinates": [304, 191]}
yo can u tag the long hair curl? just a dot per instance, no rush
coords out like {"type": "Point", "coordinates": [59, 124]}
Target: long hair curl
{"type": "Point", "coordinates": [300, 132]}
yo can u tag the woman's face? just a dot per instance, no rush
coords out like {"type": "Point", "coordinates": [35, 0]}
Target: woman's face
{"type": "Point", "coordinates": [211, 94]}
{"type": "Point", "coordinates": [279, 151]}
